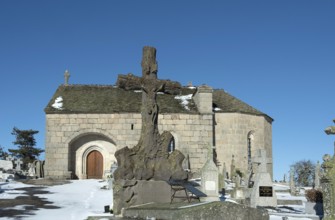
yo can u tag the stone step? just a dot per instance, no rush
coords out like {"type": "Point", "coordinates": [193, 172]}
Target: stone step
{"type": "Point", "coordinates": [289, 202]}
{"type": "Point", "coordinates": [282, 190]}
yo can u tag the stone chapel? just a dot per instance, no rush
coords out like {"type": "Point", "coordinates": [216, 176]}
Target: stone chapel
{"type": "Point", "coordinates": [86, 124]}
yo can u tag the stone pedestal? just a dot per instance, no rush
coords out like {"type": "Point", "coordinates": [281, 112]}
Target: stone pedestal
{"type": "Point", "coordinates": [262, 193]}
{"type": "Point", "coordinates": [239, 193]}
{"type": "Point", "coordinates": [129, 193]}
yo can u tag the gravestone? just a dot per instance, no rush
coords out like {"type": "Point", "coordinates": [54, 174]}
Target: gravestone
{"type": "Point", "coordinates": [292, 183]}
{"type": "Point", "coordinates": [6, 164]}
{"type": "Point", "coordinates": [187, 164]}
{"type": "Point", "coordinates": [143, 171]}
{"type": "Point", "coordinates": [239, 191]}
{"type": "Point", "coordinates": [223, 178]}
{"type": "Point", "coordinates": [317, 175]}
{"type": "Point", "coordinates": [210, 179]}
{"type": "Point", "coordinates": [18, 163]}
{"type": "Point", "coordinates": [327, 181]}
{"type": "Point", "coordinates": [262, 193]}
{"type": "Point", "coordinates": [31, 170]}
{"type": "Point", "coordinates": [224, 171]}
{"type": "Point", "coordinates": [39, 168]}
{"type": "Point", "coordinates": [232, 168]}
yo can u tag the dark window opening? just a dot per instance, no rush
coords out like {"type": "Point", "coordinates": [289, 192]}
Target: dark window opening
{"type": "Point", "coordinates": [171, 145]}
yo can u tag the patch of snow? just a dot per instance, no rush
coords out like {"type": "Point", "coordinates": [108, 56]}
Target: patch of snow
{"type": "Point", "coordinates": [77, 200]}
{"type": "Point", "coordinates": [217, 109]}
{"type": "Point", "coordinates": [160, 93]}
{"type": "Point", "coordinates": [278, 186]}
{"type": "Point", "coordinates": [137, 91]}
{"type": "Point", "coordinates": [184, 100]}
{"type": "Point", "coordinates": [9, 189]}
{"type": "Point", "coordinates": [82, 198]}
{"type": "Point", "coordinates": [58, 104]}
{"type": "Point", "coordinates": [288, 196]}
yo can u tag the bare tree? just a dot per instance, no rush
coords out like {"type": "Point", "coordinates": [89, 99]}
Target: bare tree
{"type": "Point", "coordinates": [304, 172]}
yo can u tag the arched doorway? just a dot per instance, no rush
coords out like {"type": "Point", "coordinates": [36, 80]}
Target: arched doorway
{"type": "Point", "coordinates": [94, 165]}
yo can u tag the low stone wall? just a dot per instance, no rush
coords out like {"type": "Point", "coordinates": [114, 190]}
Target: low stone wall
{"type": "Point", "coordinates": [199, 211]}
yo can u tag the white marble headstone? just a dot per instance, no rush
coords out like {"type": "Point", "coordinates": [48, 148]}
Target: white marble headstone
{"type": "Point", "coordinates": [210, 179]}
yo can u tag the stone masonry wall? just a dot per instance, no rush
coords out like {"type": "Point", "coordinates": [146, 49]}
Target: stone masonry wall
{"type": "Point", "coordinates": [192, 133]}
{"type": "Point", "coordinates": [231, 138]}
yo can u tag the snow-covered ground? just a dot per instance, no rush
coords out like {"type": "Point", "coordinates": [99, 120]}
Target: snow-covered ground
{"type": "Point", "coordinates": [82, 198]}
{"type": "Point", "coordinates": [77, 200]}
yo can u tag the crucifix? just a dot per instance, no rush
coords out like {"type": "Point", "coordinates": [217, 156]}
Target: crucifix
{"type": "Point", "coordinates": [150, 86]}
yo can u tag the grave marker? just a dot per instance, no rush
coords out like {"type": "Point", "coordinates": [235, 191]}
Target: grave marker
{"type": "Point", "coordinates": [210, 179]}
{"type": "Point", "coordinates": [262, 193]}
{"type": "Point", "coordinates": [18, 163]}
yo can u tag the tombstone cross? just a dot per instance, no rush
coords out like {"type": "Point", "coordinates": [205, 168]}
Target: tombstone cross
{"type": "Point", "coordinates": [66, 77]}
{"type": "Point", "coordinates": [262, 161]}
{"type": "Point", "coordinates": [18, 164]}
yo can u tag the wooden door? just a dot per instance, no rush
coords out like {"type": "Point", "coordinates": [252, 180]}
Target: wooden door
{"type": "Point", "coordinates": [94, 165]}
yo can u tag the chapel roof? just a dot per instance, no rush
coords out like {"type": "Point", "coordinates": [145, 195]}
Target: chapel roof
{"type": "Point", "coordinates": [106, 99]}
{"type": "Point", "coordinates": [230, 104]}
{"type": "Point", "coordinates": [110, 99]}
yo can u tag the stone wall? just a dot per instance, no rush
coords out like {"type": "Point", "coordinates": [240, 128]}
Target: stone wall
{"type": "Point", "coordinates": [231, 138]}
{"type": "Point", "coordinates": [68, 134]}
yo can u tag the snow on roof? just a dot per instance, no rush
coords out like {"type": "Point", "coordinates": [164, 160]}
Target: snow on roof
{"type": "Point", "coordinates": [184, 100]}
{"type": "Point", "coordinates": [58, 104]}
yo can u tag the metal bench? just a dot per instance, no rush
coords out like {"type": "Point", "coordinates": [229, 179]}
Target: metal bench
{"type": "Point", "coordinates": [190, 191]}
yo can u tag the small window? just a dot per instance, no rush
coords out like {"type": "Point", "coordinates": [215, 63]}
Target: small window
{"type": "Point", "coordinates": [171, 145]}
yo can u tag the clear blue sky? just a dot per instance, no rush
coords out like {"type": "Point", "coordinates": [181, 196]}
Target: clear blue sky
{"type": "Point", "coordinates": [278, 56]}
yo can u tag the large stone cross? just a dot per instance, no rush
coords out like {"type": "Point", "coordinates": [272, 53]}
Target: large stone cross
{"type": "Point", "coordinates": [150, 86]}
{"type": "Point", "coordinates": [262, 160]}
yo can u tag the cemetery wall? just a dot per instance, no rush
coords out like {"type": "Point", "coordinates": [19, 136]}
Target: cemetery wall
{"type": "Point", "coordinates": [231, 138]}
{"type": "Point", "coordinates": [65, 133]}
